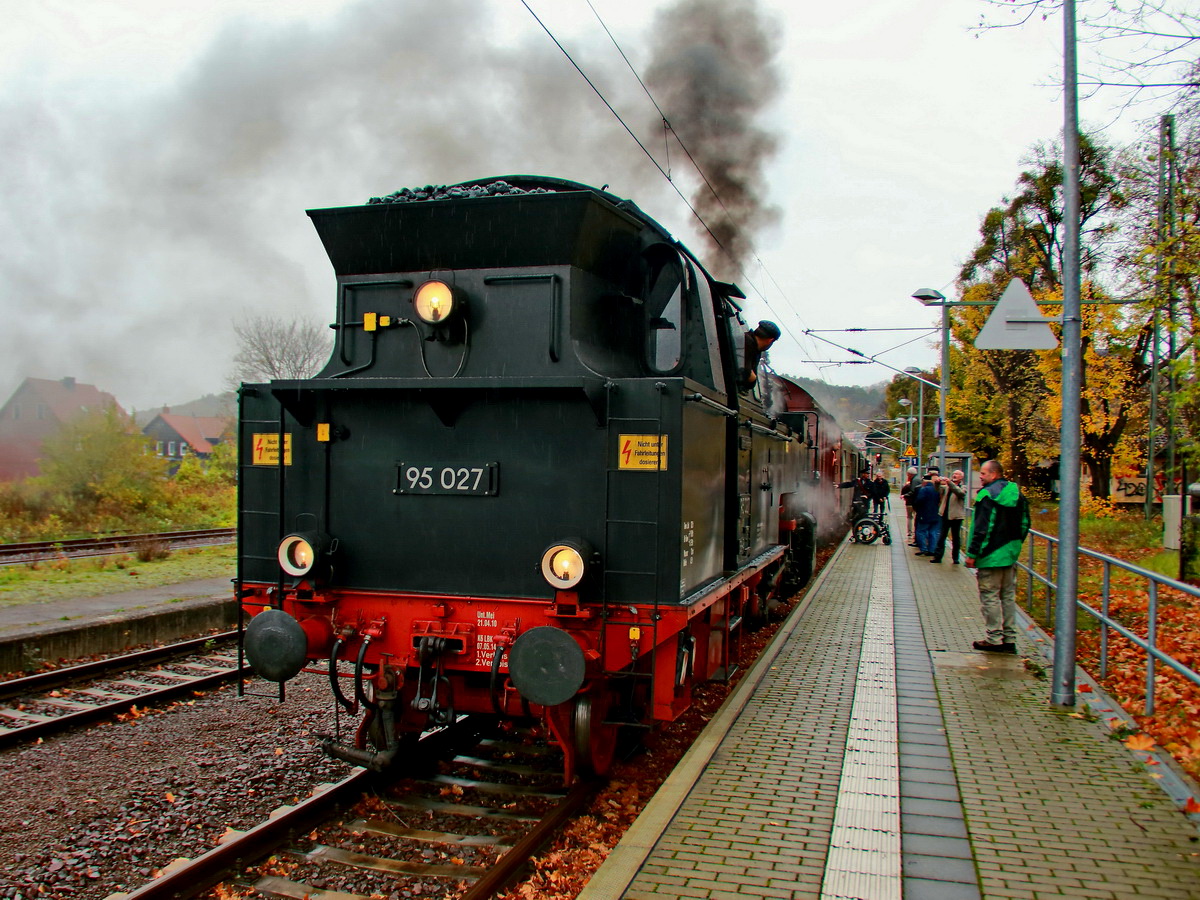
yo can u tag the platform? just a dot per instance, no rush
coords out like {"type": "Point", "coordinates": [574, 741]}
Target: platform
{"type": "Point", "coordinates": [872, 753]}
{"type": "Point", "coordinates": [38, 631]}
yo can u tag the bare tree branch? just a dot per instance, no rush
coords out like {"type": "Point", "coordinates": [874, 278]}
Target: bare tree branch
{"type": "Point", "coordinates": [270, 348]}
{"type": "Point", "coordinates": [1128, 39]}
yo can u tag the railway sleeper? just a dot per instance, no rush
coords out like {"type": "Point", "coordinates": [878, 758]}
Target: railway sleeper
{"type": "Point", "coordinates": [391, 829]}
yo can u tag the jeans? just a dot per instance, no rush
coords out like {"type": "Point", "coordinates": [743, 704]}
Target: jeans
{"type": "Point", "coordinates": [998, 603]}
{"type": "Point", "coordinates": [952, 527]}
{"type": "Point", "coordinates": [927, 533]}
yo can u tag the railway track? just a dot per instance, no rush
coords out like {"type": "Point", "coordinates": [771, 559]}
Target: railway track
{"type": "Point", "coordinates": [35, 551]}
{"type": "Point", "coordinates": [46, 703]}
{"type": "Point", "coordinates": [475, 819]}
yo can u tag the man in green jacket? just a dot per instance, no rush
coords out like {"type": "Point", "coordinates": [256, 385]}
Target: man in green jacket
{"type": "Point", "coordinates": [997, 532]}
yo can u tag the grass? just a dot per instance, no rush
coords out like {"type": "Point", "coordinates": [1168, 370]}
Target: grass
{"type": "Point", "coordinates": [61, 578]}
{"type": "Point", "coordinates": [1125, 534]}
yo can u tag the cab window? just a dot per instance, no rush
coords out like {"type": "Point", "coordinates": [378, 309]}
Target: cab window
{"type": "Point", "coordinates": [665, 295]}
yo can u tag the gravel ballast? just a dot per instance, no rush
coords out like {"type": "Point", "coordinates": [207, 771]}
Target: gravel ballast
{"type": "Point", "coordinates": [100, 810]}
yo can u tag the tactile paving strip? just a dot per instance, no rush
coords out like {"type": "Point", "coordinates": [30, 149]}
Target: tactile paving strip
{"type": "Point", "coordinates": [864, 850]}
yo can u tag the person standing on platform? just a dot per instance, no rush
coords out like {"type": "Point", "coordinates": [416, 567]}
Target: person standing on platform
{"type": "Point", "coordinates": [925, 503]}
{"type": "Point", "coordinates": [998, 530]}
{"type": "Point", "coordinates": [906, 494]}
{"type": "Point", "coordinates": [952, 511]}
{"type": "Point", "coordinates": [879, 493]}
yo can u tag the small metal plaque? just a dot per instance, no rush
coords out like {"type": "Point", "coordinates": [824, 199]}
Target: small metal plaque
{"type": "Point", "coordinates": [448, 479]}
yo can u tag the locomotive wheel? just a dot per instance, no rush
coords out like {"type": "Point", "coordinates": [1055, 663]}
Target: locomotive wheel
{"type": "Point", "coordinates": [595, 742]}
{"type": "Point", "coordinates": [866, 531]}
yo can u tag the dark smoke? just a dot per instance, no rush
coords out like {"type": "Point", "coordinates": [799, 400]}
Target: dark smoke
{"type": "Point", "coordinates": [713, 73]}
{"type": "Point", "coordinates": [139, 222]}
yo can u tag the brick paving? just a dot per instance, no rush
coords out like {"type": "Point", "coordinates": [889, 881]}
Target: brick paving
{"type": "Point", "coordinates": [1002, 795]}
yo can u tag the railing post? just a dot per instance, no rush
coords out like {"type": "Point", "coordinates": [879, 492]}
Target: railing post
{"type": "Point", "coordinates": [1029, 573]}
{"type": "Point", "coordinates": [1151, 637]}
{"type": "Point", "coordinates": [1051, 583]}
{"type": "Point", "coordinates": [1104, 623]}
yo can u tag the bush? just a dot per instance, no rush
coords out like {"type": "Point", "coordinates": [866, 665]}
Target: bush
{"type": "Point", "coordinates": [150, 549]}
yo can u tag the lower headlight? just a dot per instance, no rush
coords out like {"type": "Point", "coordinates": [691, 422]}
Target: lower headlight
{"type": "Point", "coordinates": [299, 554]}
{"type": "Point", "coordinates": [565, 563]}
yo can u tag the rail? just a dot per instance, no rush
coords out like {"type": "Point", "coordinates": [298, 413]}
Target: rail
{"type": "Point", "coordinates": [1153, 582]}
{"type": "Point", "coordinates": [32, 551]}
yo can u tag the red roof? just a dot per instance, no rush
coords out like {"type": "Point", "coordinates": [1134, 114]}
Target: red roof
{"type": "Point", "coordinates": [37, 409]}
{"type": "Point", "coordinates": [200, 432]}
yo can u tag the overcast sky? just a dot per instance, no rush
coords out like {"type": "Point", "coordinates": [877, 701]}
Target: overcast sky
{"type": "Point", "coordinates": [158, 159]}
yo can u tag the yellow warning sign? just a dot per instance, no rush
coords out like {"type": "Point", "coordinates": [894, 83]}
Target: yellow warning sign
{"type": "Point", "coordinates": [910, 451]}
{"type": "Point", "coordinates": [642, 451]}
{"type": "Point", "coordinates": [264, 451]}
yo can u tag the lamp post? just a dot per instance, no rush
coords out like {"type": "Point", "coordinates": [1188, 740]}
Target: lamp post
{"type": "Point", "coordinates": [906, 403]}
{"type": "Point", "coordinates": [913, 370]}
{"type": "Point", "coordinates": [930, 297]}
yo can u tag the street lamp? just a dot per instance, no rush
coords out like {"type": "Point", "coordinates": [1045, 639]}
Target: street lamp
{"type": "Point", "coordinates": [914, 371]}
{"type": "Point", "coordinates": [930, 297]}
{"type": "Point", "coordinates": [906, 403]}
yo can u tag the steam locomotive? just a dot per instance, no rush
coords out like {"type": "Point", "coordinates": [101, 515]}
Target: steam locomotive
{"type": "Point", "coordinates": [526, 483]}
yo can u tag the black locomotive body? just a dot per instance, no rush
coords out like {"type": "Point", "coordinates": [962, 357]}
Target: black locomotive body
{"type": "Point", "coordinates": [526, 482]}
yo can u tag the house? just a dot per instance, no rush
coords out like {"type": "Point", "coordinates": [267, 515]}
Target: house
{"type": "Point", "coordinates": [223, 406]}
{"type": "Point", "coordinates": [38, 408]}
{"type": "Point", "coordinates": [176, 435]}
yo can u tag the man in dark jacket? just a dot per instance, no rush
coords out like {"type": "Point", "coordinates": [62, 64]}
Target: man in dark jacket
{"type": "Point", "coordinates": [997, 532]}
{"type": "Point", "coordinates": [758, 342]}
{"type": "Point", "coordinates": [860, 502]}
{"type": "Point", "coordinates": [879, 493]}
{"type": "Point", "coordinates": [925, 503]}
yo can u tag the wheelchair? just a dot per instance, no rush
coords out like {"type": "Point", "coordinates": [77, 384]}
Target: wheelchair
{"type": "Point", "coordinates": [870, 528]}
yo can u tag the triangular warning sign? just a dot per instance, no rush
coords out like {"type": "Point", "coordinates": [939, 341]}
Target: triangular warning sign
{"type": "Point", "coordinates": [1016, 323]}
{"type": "Point", "coordinates": [910, 451]}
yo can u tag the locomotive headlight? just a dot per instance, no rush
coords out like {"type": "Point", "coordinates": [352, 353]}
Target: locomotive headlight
{"type": "Point", "coordinates": [565, 563]}
{"type": "Point", "coordinates": [301, 553]}
{"type": "Point", "coordinates": [435, 302]}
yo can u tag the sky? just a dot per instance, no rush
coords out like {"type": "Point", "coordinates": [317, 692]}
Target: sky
{"type": "Point", "coordinates": [158, 158]}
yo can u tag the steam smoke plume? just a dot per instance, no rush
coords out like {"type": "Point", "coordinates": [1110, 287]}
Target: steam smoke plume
{"type": "Point", "coordinates": [141, 219]}
{"type": "Point", "coordinates": [713, 72]}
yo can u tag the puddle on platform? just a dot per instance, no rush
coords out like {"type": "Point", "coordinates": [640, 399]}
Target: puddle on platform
{"type": "Point", "coordinates": [986, 665]}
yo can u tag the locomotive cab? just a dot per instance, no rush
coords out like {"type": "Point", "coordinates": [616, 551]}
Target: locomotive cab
{"type": "Point", "coordinates": [525, 481]}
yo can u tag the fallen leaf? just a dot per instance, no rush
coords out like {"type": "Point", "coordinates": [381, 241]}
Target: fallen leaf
{"type": "Point", "coordinates": [1140, 742]}
{"type": "Point", "coordinates": [1084, 688]}
{"type": "Point", "coordinates": [1191, 806]}
{"type": "Point", "coordinates": [170, 797]}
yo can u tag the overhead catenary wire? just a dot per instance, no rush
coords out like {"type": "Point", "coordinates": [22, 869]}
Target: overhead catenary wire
{"type": "Point", "coordinates": [666, 173]}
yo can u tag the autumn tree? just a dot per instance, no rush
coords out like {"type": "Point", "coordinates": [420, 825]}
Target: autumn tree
{"type": "Point", "coordinates": [1023, 238]}
{"type": "Point", "coordinates": [271, 347]}
{"type": "Point", "coordinates": [1161, 259]}
{"type": "Point", "coordinates": [100, 472]}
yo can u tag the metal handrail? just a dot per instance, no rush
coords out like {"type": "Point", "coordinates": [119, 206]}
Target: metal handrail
{"type": "Point", "coordinates": [1154, 581]}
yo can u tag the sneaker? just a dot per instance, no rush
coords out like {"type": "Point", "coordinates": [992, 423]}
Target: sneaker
{"type": "Point", "coordinates": [935, 560]}
{"type": "Point", "coordinates": [989, 647]}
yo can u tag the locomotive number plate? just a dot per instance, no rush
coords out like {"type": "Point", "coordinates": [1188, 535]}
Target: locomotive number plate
{"type": "Point", "coordinates": [462, 479]}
